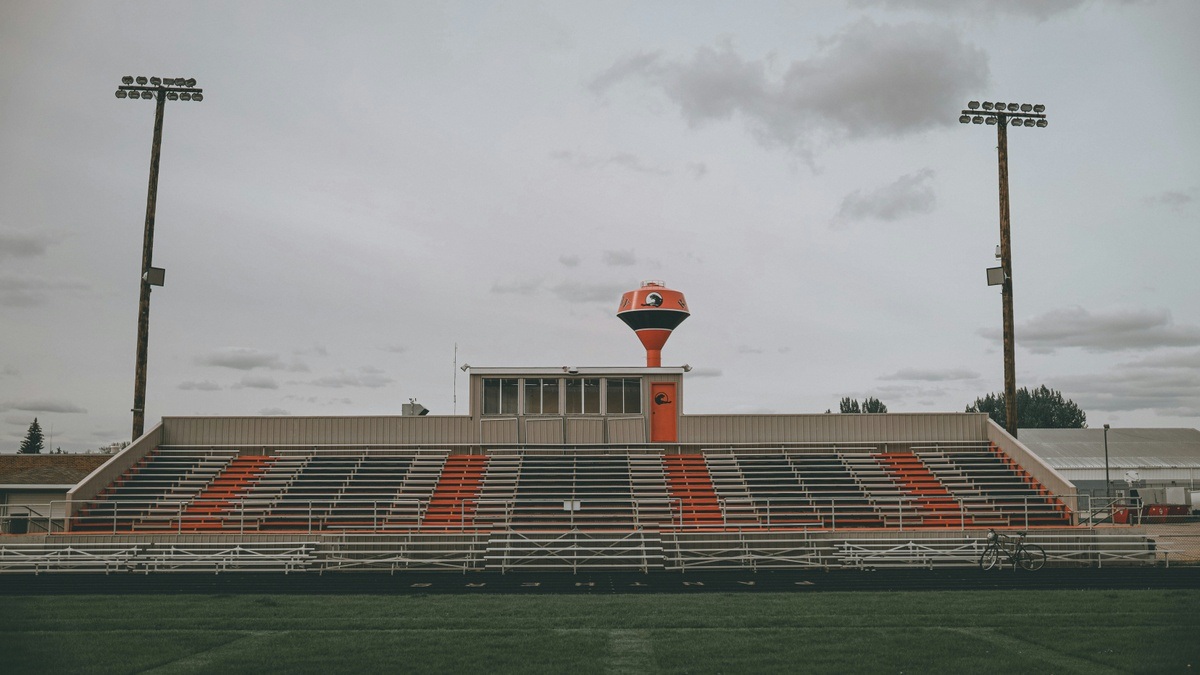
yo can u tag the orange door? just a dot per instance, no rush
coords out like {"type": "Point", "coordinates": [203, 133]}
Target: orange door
{"type": "Point", "coordinates": [663, 413]}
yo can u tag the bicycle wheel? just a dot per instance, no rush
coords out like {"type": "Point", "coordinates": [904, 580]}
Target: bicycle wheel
{"type": "Point", "coordinates": [990, 558]}
{"type": "Point", "coordinates": [1031, 557]}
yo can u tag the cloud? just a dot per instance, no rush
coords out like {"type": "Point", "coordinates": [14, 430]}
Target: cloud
{"type": "Point", "coordinates": [587, 292]}
{"type": "Point", "coordinates": [203, 385]}
{"type": "Point", "coordinates": [622, 159]}
{"type": "Point", "coordinates": [367, 376]}
{"type": "Point", "coordinates": [524, 287]}
{"type": "Point", "coordinates": [746, 349]}
{"type": "Point", "coordinates": [1037, 9]}
{"type": "Point", "coordinates": [1176, 360]}
{"type": "Point", "coordinates": [1166, 392]}
{"type": "Point", "coordinates": [622, 258]}
{"type": "Point", "coordinates": [31, 291]}
{"type": "Point", "coordinates": [15, 244]}
{"type": "Point", "coordinates": [908, 195]}
{"type": "Point", "coordinates": [1115, 330]}
{"type": "Point", "coordinates": [869, 80]}
{"type": "Point", "coordinates": [273, 412]}
{"type": "Point", "coordinates": [931, 375]}
{"type": "Point", "coordinates": [569, 260]}
{"type": "Point", "coordinates": [257, 382]}
{"type": "Point", "coordinates": [1173, 199]}
{"type": "Point", "coordinates": [42, 405]}
{"type": "Point", "coordinates": [245, 358]}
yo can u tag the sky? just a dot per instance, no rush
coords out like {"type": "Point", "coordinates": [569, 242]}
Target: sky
{"type": "Point", "coordinates": [372, 193]}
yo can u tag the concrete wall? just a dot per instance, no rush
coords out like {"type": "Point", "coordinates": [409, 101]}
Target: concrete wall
{"type": "Point", "coordinates": [1043, 472]}
{"type": "Point", "coordinates": [106, 473]}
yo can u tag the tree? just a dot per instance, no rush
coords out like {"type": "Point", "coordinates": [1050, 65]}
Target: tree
{"type": "Point", "coordinates": [869, 405]}
{"type": "Point", "coordinates": [32, 445]}
{"type": "Point", "coordinates": [1044, 408]}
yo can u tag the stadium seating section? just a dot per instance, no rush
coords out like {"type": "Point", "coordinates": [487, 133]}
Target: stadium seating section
{"type": "Point", "coordinates": [224, 490]}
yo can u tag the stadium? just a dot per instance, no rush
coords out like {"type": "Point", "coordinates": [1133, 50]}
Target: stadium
{"type": "Point", "coordinates": [575, 469]}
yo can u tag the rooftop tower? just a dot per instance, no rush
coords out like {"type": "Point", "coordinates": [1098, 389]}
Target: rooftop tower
{"type": "Point", "coordinates": [653, 311]}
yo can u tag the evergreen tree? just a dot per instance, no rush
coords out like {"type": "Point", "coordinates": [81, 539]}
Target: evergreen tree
{"type": "Point", "coordinates": [873, 405]}
{"type": "Point", "coordinates": [868, 405]}
{"type": "Point", "coordinates": [848, 405]}
{"type": "Point", "coordinates": [32, 445]}
{"type": "Point", "coordinates": [1044, 408]}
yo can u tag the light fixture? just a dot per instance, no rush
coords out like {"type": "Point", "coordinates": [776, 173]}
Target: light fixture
{"type": "Point", "coordinates": [1029, 122]}
{"type": "Point", "coordinates": [1041, 123]}
{"type": "Point", "coordinates": [987, 105]}
{"type": "Point", "coordinates": [991, 121]}
{"type": "Point", "coordinates": [973, 105]}
{"type": "Point", "coordinates": [1016, 121]}
{"type": "Point", "coordinates": [965, 119]}
{"type": "Point", "coordinates": [187, 97]}
{"type": "Point", "coordinates": [1039, 108]}
{"type": "Point", "coordinates": [197, 97]}
{"type": "Point", "coordinates": [121, 93]}
{"type": "Point", "coordinates": [1025, 107]}
{"type": "Point", "coordinates": [147, 95]}
{"type": "Point", "coordinates": [128, 79]}
{"type": "Point", "coordinates": [191, 82]}
{"type": "Point", "coordinates": [156, 81]}
{"type": "Point", "coordinates": [172, 96]}
{"type": "Point", "coordinates": [141, 79]}
{"type": "Point", "coordinates": [1013, 107]}
{"type": "Point", "coordinates": [977, 119]}
{"type": "Point", "coordinates": [465, 367]}
{"type": "Point", "coordinates": [999, 106]}
{"type": "Point", "coordinates": [687, 368]}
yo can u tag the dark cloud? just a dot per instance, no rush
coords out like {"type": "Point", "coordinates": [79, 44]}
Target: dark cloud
{"type": "Point", "coordinates": [45, 405]}
{"type": "Point", "coordinates": [569, 260]}
{"type": "Point", "coordinates": [203, 385]}
{"type": "Point", "coordinates": [1173, 199]}
{"type": "Point", "coordinates": [1037, 9]}
{"type": "Point", "coordinates": [366, 377]}
{"type": "Point", "coordinates": [870, 80]}
{"type": "Point", "coordinates": [257, 382]}
{"type": "Point", "coordinates": [32, 291]}
{"type": "Point", "coordinates": [1126, 389]}
{"type": "Point", "coordinates": [245, 358]}
{"type": "Point", "coordinates": [15, 244]}
{"type": "Point", "coordinates": [621, 159]}
{"type": "Point", "coordinates": [908, 195]}
{"type": "Point", "coordinates": [1116, 330]}
{"type": "Point", "coordinates": [588, 292]}
{"type": "Point", "coordinates": [931, 375]}
{"type": "Point", "coordinates": [1175, 360]}
{"type": "Point", "coordinates": [622, 258]}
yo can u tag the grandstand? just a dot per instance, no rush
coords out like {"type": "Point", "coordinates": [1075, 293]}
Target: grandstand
{"type": "Point", "coordinates": [567, 468]}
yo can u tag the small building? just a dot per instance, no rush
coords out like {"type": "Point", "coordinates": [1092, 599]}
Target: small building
{"type": "Point", "coordinates": [33, 488]}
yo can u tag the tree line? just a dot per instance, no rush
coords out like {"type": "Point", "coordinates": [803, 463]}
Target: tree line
{"type": "Point", "coordinates": [1042, 408]}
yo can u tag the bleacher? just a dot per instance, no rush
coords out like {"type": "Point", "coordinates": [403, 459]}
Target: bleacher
{"type": "Point", "coordinates": [381, 491]}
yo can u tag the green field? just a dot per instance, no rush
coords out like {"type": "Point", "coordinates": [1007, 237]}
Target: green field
{"type": "Point", "coordinates": [1153, 631]}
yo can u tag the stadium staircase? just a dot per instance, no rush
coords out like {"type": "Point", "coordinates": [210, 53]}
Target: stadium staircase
{"type": "Point", "coordinates": [936, 507]}
{"type": "Point", "coordinates": [455, 498]}
{"type": "Point", "coordinates": [693, 495]}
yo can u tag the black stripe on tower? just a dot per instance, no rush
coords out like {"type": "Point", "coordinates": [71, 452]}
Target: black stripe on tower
{"type": "Point", "coordinates": [662, 319]}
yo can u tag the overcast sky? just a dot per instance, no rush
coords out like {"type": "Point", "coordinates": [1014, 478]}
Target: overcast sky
{"type": "Point", "coordinates": [367, 184]}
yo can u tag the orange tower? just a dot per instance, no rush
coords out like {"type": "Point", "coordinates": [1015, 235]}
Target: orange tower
{"type": "Point", "coordinates": [653, 311]}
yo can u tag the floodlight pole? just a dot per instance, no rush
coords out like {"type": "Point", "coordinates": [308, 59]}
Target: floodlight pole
{"type": "Point", "coordinates": [1001, 115]}
{"type": "Point", "coordinates": [158, 89]}
{"type": "Point", "coordinates": [1107, 484]}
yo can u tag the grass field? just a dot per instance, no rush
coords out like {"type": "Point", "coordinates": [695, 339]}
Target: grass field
{"type": "Point", "coordinates": [1153, 631]}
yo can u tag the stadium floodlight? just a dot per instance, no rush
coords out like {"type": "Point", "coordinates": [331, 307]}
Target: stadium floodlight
{"type": "Point", "coordinates": [163, 90]}
{"type": "Point", "coordinates": [965, 119]}
{"type": "Point", "coordinates": [973, 105]}
{"type": "Point", "coordinates": [977, 119]}
{"type": "Point", "coordinates": [1001, 116]}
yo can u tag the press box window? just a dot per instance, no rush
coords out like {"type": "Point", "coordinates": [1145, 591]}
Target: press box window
{"type": "Point", "coordinates": [500, 396]}
{"type": "Point", "coordinates": [541, 396]}
{"type": "Point", "coordinates": [624, 396]}
{"type": "Point", "coordinates": [583, 396]}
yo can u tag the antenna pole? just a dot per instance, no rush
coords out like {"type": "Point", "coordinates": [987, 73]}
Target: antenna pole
{"type": "Point", "coordinates": [455, 378]}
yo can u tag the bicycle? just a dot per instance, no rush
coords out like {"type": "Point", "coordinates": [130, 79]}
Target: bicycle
{"type": "Point", "coordinates": [1014, 551]}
